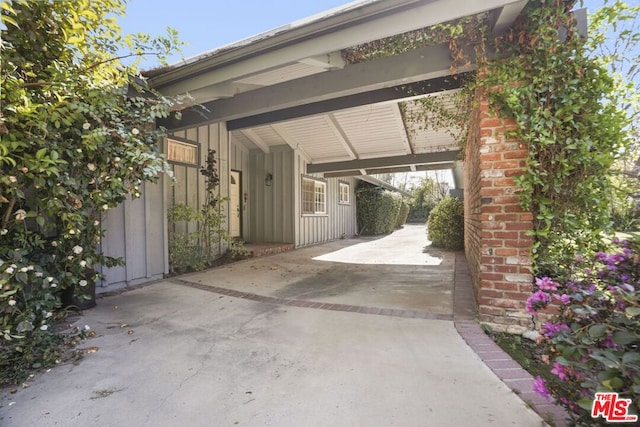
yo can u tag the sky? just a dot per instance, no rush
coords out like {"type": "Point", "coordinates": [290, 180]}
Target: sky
{"type": "Point", "coordinates": [209, 24]}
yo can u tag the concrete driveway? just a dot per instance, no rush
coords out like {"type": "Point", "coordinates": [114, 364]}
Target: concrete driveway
{"type": "Point", "coordinates": [296, 339]}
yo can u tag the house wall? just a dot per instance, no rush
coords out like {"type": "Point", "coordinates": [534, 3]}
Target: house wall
{"type": "Point", "coordinates": [271, 207]}
{"type": "Point", "coordinates": [190, 186]}
{"type": "Point", "coordinates": [340, 219]}
{"type": "Point", "coordinates": [497, 246]}
{"type": "Point", "coordinates": [135, 232]}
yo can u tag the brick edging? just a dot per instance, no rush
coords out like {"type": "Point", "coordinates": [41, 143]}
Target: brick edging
{"type": "Point", "coordinates": [314, 304]}
{"type": "Point", "coordinates": [508, 370]}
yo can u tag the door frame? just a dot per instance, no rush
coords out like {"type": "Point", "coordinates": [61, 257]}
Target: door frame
{"type": "Point", "coordinates": [240, 203]}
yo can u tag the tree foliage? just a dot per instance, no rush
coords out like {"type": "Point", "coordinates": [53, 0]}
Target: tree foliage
{"type": "Point", "coordinates": [424, 197]}
{"type": "Point", "coordinates": [78, 138]}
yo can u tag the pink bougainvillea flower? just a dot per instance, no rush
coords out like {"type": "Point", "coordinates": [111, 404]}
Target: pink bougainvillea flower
{"type": "Point", "coordinates": [540, 387]}
{"type": "Point", "coordinates": [546, 284]}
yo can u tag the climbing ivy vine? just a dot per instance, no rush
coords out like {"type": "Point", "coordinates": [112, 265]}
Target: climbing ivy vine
{"type": "Point", "coordinates": [567, 107]}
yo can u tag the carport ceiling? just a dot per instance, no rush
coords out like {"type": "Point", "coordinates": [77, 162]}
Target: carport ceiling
{"type": "Point", "coordinates": [292, 86]}
{"type": "Point", "coordinates": [367, 139]}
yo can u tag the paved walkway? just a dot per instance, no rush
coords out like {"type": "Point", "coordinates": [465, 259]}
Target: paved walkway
{"type": "Point", "coordinates": [260, 343]}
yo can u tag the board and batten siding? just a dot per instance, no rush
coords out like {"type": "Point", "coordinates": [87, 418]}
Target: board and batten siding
{"type": "Point", "coordinates": [135, 232]}
{"type": "Point", "coordinates": [190, 186]}
{"type": "Point", "coordinates": [272, 206]}
{"type": "Point", "coordinates": [340, 219]}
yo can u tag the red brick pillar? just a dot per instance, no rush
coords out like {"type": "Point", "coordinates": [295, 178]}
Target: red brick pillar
{"type": "Point", "coordinates": [496, 242]}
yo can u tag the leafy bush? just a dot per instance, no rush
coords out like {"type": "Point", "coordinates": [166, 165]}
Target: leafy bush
{"type": "Point", "coordinates": [185, 252]}
{"type": "Point", "coordinates": [378, 209]}
{"type": "Point", "coordinates": [78, 137]}
{"type": "Point", "coordinates": [593, 338]}
{"type": "Point", "coordinates": [402, 215]}
{"type": "Point", "coordinates": [446, 224]}
{"type": "Point", "coordinates": [194, 250]}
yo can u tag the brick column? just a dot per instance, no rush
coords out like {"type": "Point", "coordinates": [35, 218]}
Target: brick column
{"type": "Point", "coordinates": [496, 242]}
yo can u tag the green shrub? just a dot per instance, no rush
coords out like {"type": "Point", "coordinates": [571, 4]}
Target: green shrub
{"type": "Point", "coordinates": [402, 215]}
{"type": "Point", "coordinates": [591, 342]}
{"type": "Point", "coordinates": [446, 224]}
{"type": "Point", "coordinates": [378, 210]}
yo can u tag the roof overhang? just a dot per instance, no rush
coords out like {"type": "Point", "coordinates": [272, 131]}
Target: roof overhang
{"type": "Point", "coordinates": [292, 86]}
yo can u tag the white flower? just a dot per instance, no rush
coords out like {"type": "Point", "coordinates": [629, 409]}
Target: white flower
{"type": "Point", "coordinates": [136, 195]}
{"type": "Point", "coordinates": [72, 231]}
{"type": "Point", "coordinates": [54, 285]}
{"type": "Point", "coordinates": [117, 159]}
{"type": "Point", "coordinates": [105, 207]}
{"type": "Point", "coordinates": [70, 258]}
{"type": "Point", "coordinates": [79, 150]}
{"type": "Point", "coordinates": [13, 179]}
{"type": "Point", "coordinates": [12, 302]}
{"type": "Point", "coordinates": [48, 314]}
{"type": "Point", "coordinates": [83, 263]}
{"type": "Point", "coordinates": [54, 243]}
{"type": "Point", "coordinates": [23, 270]}
{"type": "Point", "coordinates": [91, 167]}
{"type": "Point", "coordinates": [49, 279]}
{"type": "Point", "coordinates": [87, 327]}
{"type": "Point", "coordinates": [30, 268]}
{"type": "Point", "coordinates": [96, 222]}
{"type": "Point", "coordinates": [44, 327]}
{"type": "Point", "coordinates": [9, 270]}
{"type": "Point", "coordinates": [3, 231]}
{"type": "Point", "coordinates": [86, 126]}
{"type": "Point", "coordinates": [82, 282]}
{"type": "Point", "coordinates": [38, 274]}
{"type": "Point", "coordinates": [135, 131]}
{"type": "Point", "coordinates": [77, 250]}
{"type": "Point", "coordinates": [20, 215]}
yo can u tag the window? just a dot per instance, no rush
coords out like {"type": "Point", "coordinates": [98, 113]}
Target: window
{"type": "Point", "coordinates": [182, 152]}
{"type": "Point", "coordinates": [344, 194]}
{"type": "Point", "coordinates": [314, 196]}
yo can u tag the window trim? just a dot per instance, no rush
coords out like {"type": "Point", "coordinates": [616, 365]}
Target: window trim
{"type": "Point", "coordinates": [317, 183]}
{"type": "Point", "coordinates": [341, 201]}
{"type": "Point", "coordinates": [186, 142]}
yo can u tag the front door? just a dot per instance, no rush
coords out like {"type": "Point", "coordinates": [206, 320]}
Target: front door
{"type": "Point", "coordinates": [235, 205]}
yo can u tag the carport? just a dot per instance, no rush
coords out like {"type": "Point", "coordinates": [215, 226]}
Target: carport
{"type": "Point", "coordinates": [293, 86]}
{"type": "Point", "coordinates": [291, 118]}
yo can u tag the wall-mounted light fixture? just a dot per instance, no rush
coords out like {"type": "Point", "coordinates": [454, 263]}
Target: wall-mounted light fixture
{"type": "Point", "coordinates": [268, 180]}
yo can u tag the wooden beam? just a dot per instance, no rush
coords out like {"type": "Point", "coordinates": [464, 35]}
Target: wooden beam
{"type": "Point", "coordinates": [255, 138]}
{"type": "Point", "coordinates": [280, 130]}
{"type": "Point", "coordinates": [341, 136]}
{"type": "Point", "coordinates": [357, 84]}
{"type": "Point", "coordinates": [400, 92]}
{"type": "Point", "coordinates": [385, 162]}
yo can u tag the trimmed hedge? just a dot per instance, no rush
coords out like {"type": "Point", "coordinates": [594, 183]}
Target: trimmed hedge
{"type": "Point", "coordinates": [402, 215]}
{"type": "Point", "coordinates": [446, 224]}
{"type": "Point", "coordinates": [377, 210]}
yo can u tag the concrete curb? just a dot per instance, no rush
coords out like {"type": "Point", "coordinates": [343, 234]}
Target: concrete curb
{"type": "Point", "coordinates": [509, 371]}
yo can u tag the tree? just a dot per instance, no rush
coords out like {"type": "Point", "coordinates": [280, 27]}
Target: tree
{"type": "Point", "coordinates": [424, 198]}
{"type": "Point", "coordinates": [615, 40]}
{"type": "Point", "coordinates": [78, 138]}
